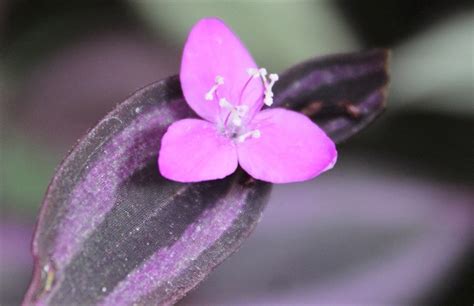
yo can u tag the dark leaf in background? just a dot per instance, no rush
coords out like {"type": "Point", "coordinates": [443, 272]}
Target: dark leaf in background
{"type": "Point", "coordinates": [113, 231]}
{"type": "Point", "coordinates": [444, 153]}
{"type": "Point", "coordinates": [35, 29]}
{"type": "Point", "coordinates": [396, 21]}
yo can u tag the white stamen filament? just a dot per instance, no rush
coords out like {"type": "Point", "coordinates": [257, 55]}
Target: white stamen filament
{"type": "Point", "coordinates": [210, 94]}
{"type": "Point", "coordinates": [268, 100]}
{"type": "Point", "coordinates": [268, 93]}
{"type": "Point", "coordinates": [253, 134]}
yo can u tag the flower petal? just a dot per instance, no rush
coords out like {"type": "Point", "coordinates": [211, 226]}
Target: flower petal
{"type": "Point", "coordinates": [212, 50]}
{"type": "Point", "coordinates": [291, 148]}
{"type": "Point", "coordinates": [192, 150]}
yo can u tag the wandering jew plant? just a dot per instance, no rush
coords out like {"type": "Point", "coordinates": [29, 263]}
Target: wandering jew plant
{"type": "Point", "coordinates": [116, 228]}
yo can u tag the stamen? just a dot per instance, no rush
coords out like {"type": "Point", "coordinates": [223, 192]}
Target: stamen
{"type": "Point", "coordinates": [268, 89]}
{"type": "Point", "coordinates": [210, 94]}
{"type": "Point", "coordinates": [268, 85]}
{"type": "Point", "coordinates": [253, 134]}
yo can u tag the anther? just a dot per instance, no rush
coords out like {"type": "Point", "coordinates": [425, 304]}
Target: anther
{"type": "Point", "coordinates": [253, 72]}
{"type": "Point", "coordinates": [225, 104]}
{"type": "Point", "coordinates": [236, 120]}
{"type": "Point", "coordinates": [273, 77]}
{"type": "Point", "coordinates": [218, 82]}
{"type": "Point", "coordinates": [268, 100]}
{"type": "Point", "coordinates": [253, 134]}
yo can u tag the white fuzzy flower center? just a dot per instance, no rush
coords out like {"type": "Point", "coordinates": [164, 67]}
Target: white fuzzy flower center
{"type": "Point", "coordinates": [233, 126]}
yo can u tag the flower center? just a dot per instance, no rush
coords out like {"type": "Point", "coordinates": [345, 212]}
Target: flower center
{"type": "Point", "coordinates": [232, 125]}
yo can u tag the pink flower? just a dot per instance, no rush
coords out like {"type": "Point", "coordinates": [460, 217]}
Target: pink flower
{"type": "Point", "coordinates": [224, 86]}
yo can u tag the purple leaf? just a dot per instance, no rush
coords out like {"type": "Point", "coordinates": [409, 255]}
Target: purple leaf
{"type": "Point", "coordinates": [113, 231]}
{"type": "Point", "coordinates": [341, 93]}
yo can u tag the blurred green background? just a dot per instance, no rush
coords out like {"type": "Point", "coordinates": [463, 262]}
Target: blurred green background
{"type": "Point", "coordinates": [65, 64]}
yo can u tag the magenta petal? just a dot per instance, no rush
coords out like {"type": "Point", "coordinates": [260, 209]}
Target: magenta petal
{"type": "Point", "coordinates": [291, 148]}
{"type": "Point", "coordinates": [211, 50]}
{"type": "Point", "coordinates": [192, 150]}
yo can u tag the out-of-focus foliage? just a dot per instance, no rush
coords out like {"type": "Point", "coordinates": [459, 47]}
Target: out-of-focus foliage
{"type": "Point", "coordinates": [438, 65]}
{"type": "Point", "coordinates": [25, 172]}
{"type": "Point", "coordinates": [367, 244]}
{"type": "Point", "coordinates": [278, 33]}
